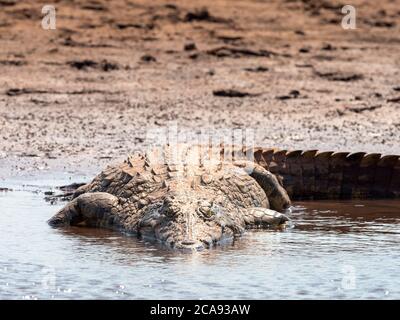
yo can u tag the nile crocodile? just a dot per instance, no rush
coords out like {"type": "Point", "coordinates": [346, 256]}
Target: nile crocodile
{"type": "Point", "coordinates": [199, 202]}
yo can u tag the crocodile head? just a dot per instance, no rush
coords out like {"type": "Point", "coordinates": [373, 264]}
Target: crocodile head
{"type": "Point", "coordinates": [191, 221]}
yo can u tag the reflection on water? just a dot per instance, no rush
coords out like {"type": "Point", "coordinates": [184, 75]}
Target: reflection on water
{"type": "Point", "coordinates": [367, 216]}
{"type": "Point", "coordinates": [338, 250]}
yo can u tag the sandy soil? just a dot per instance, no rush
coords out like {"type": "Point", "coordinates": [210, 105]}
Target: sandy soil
{"type": "Point", "coordinates": [85, 94]}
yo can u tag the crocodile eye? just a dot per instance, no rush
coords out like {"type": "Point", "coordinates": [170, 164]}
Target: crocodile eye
{"type": "Point", "coordinates": [206, 210]}
{"type": "Point", "coordinates": [171, 210]}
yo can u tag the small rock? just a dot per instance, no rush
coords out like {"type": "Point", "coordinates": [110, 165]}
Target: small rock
{"type": "Point", "coordinates": [86, 64]}
{"type": "Point", "coordinates": [233, 93]}
{"type": "Point", "coordinates": [171, 6]}
{"type": "Point", "coordinates": [394, 100]}
{"type": "Point", "coordinates": [148, 58]}
{"type": "Point", "coordinates": [328, 47]}
{"type": "Point", "coordinates": [339, 76]}
{"type": "Point", "coordinates": [8, 3]}
{"type": "Point", "coordinates": [383, 24]}
{"type": "Point", "coordinates": [362, 109]}
{"type": "Point", "coordinates": [82, 64]}
{"type": "Point", "coordinates": [304, 50]}
{"type": "Point", "coordinates": [29, 155]}
{"type": "Point", "coordinates": [108, 66]}
{"type": "Point", "coordinates": [190, 46]}
{"type": "Point", "coordinates": [257, 69]}
{"type": "Point", "coordinates": [202, 15]}
{"type": "Point", "coordinates": [292, 95]}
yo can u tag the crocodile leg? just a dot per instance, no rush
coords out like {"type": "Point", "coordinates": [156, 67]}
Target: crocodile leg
{"type": "Point", "coordinates": [266, 218]}
{"type": "Point", "coordinates": [97, 209]}
{"type": "Point", "coordinates": [277, 195]}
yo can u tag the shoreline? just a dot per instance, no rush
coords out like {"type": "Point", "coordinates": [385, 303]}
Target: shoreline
{"type": "Point", "coordinates": [80, 97]}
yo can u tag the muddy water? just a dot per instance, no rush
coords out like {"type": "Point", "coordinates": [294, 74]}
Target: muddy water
{"type": "Point", "coordinates": [341, 250]}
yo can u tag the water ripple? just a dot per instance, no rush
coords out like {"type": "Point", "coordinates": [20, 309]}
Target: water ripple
{"type": "Point", "coordinates": [337, 250]}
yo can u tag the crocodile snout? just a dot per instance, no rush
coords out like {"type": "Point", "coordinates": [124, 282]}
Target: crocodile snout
{"type": "Point", "coordinates": [190, 245]}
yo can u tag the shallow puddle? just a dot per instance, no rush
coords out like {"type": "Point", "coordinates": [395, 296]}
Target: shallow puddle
{"type": "Point", "coordinates": [337, 250]}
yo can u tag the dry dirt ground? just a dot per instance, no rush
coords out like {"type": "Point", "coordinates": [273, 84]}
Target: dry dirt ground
{"type": "Point", "coordinates": [85, 94]}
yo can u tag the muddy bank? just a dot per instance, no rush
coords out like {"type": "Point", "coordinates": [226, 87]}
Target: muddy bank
{"type": "Point", "coordinates": [78, 97]}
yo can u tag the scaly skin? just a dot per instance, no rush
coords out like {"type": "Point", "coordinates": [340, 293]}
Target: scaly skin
{"type": "Point", "coordinates": [203, 203]}
{"type": "Point", "coordinates": [333, 175]}
{"type": "Point", "coordinates": [190, 206]}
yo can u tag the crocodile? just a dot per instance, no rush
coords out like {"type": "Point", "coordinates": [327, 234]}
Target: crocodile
{"type": "Point", "coordinates": [208, 200]}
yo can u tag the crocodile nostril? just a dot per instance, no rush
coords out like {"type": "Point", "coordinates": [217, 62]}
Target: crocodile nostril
{"type": "Point", "coordinates": [188, 242]}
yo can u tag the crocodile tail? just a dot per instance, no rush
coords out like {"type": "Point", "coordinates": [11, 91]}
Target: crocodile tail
{"type": "Point", "coordinates": [333, 175]}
